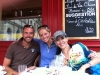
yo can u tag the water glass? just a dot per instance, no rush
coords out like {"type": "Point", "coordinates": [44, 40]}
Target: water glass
{"type": "Point", "coordinates": [22, 69]}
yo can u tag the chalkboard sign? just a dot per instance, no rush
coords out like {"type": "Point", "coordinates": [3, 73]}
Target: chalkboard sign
{"type": "Point", "coordinates": [81, 19]}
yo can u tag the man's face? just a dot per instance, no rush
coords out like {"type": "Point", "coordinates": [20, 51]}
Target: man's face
{"type": "Point", "coordinates": [28, 34]}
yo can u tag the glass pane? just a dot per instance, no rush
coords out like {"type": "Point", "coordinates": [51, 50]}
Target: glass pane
{"type": "Point", "coordinates": [11, 30]}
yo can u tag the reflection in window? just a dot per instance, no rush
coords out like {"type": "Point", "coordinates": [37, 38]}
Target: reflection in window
{"type": "Point", "coordinates": [12, 29]}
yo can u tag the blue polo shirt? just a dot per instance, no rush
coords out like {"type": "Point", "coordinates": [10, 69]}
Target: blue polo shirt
{"type": "Point", "coordinates": [47, 53]}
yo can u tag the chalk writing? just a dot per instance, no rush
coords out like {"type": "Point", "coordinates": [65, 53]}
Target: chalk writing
{"type": "Point", "coordinates": [89, 30]}
{"type": "Point", "coordinates": [90, 20]}
{"type": "Point", "coordinates": [80, 15]}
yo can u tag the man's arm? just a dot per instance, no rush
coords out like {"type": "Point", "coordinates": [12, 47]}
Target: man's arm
{"type": "Point", "coordinates": [6, 64]}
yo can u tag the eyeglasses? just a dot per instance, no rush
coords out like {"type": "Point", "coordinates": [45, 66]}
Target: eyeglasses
{"type": "Point", "coordinates": [43, 26]}
{"type": "Point", "coordinates": [30, 26]}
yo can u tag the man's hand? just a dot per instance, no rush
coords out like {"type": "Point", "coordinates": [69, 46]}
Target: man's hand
{"type": "Point", "coordinates": [15, 73]}
{"type": "Point", "coordinates": [31, 68]}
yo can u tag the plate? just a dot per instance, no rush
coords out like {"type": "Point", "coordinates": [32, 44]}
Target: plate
{"type": "Point", "coordinates": [40, 71]}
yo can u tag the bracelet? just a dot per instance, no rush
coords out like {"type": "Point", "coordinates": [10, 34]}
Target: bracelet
{"type": "Point", "coordinates": [89, 64]}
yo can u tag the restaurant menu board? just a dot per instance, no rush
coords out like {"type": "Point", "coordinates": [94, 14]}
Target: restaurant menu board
{"type": "Point", "coordinates": [81, 18]}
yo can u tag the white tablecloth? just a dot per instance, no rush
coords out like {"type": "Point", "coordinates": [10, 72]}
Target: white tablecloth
{"type": "Point", "coordinates": [56, 71]}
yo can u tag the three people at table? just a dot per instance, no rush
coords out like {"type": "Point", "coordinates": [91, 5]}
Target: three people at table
{"type": "Point", "coordinates": [26, 49]}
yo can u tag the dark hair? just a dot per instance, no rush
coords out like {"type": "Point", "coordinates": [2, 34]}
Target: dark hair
{"type": "Point", "coordinates": [44, 27]}
{"type": "Point", "coordinates": [28, 26]}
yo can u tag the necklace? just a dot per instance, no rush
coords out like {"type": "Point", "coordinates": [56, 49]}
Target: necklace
{"type": "Point", "coordinates": [25, 45]}
{"type": "Point", "coordinates": [66, 61]}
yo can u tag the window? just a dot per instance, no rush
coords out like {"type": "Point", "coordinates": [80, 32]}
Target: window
{"type": "Point", "coordinates": [11, 30]}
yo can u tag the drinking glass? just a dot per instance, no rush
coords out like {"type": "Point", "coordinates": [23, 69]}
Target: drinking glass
{"type": "Point", "coordinates": [22, 69]}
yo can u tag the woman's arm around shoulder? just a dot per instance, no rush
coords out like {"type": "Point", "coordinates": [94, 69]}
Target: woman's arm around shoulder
{"type": "Point", "coordinates": [37, 40]}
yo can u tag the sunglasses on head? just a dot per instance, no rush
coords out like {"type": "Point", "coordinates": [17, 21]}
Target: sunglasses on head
{"type": "Point", "coordinates": [28, 26]}
{"type": "Point", "coordinates": [43, 26]}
